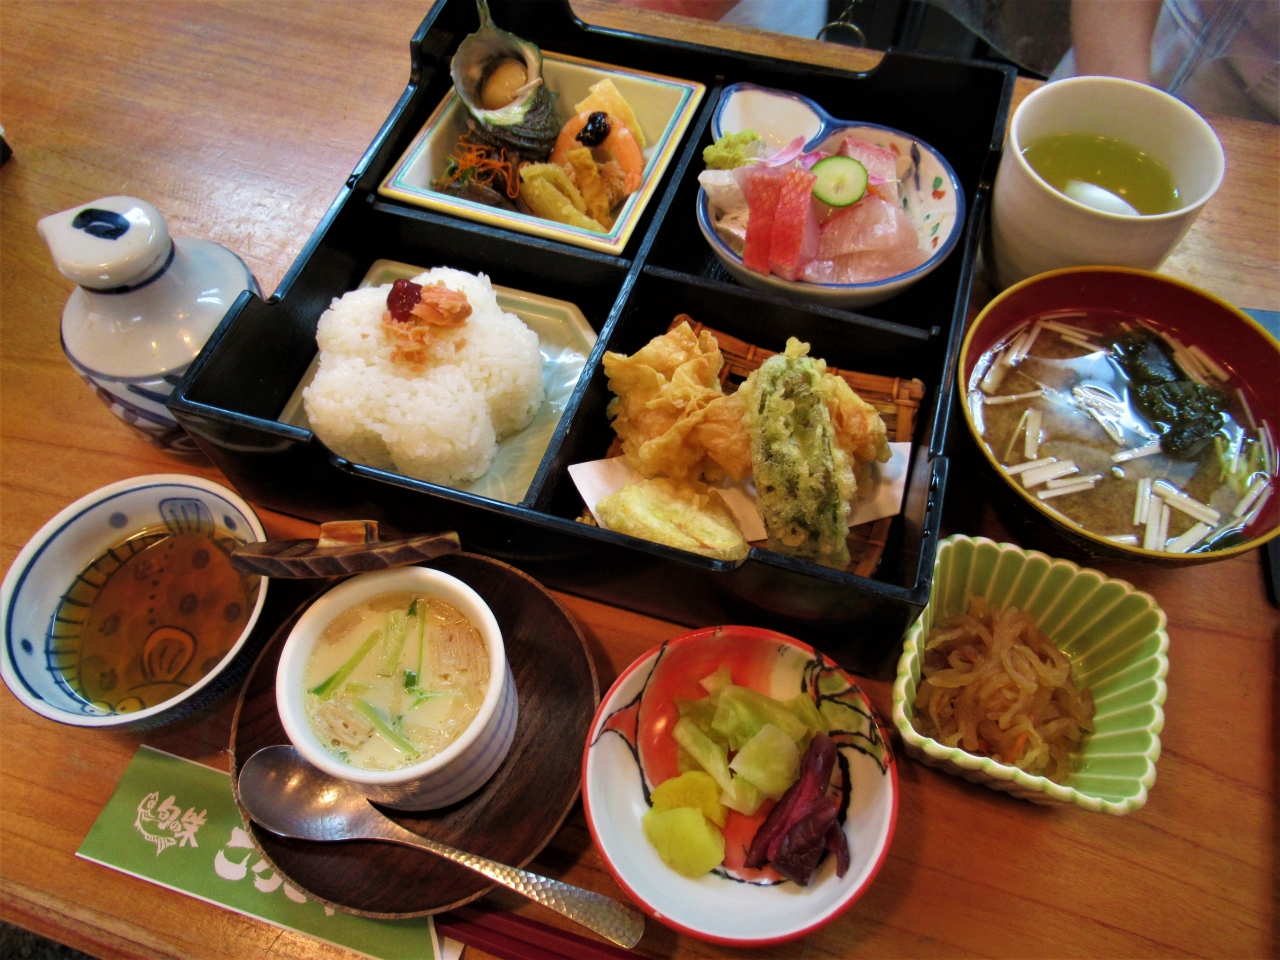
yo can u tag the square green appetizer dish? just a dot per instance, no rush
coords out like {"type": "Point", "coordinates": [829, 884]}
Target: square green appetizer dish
{"type": "Point", "coordinates": [1114, 636]}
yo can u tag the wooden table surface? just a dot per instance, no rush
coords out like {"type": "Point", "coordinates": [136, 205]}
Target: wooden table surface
{"type": "Point", "coordinates": [239, 120]}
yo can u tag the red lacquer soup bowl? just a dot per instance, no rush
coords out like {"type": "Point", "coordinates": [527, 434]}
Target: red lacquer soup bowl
{"type": "Point", "coordinates": [1078, 313]}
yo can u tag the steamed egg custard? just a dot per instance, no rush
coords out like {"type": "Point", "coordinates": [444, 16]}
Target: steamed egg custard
{"type": "Point", "coordinates": [1123, 430]}
{"type": "Point", "coordinates": [395, 680]}
{"type": "Point", "coordinates": [150, 618]}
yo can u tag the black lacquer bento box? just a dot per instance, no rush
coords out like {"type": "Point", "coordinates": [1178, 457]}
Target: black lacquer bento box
{"type": "Point", "coordinates": [234, 393]}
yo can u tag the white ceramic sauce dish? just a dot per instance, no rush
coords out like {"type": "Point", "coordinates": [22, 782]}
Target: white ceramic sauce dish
{"type": "Point", "coordinates": [456, 771]}
{"type": "Point", "coordinates": [1035, 228]}
{"type": "Point", "coordinates": [933, 198]}
{"type": "Point", "coordinates": [36, 665]}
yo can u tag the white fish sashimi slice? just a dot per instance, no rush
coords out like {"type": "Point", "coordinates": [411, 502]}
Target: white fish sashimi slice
{"type": "Point", "coordinates": [724, 191]}
{"type": "Point", "coordinates": [732, 229]}
{"type": "Point", "coordinates": [879, 161]}
{"type": "Point", "coordinates": [864, 267]}
{"type": "Point", "coordinates": [871, 224]}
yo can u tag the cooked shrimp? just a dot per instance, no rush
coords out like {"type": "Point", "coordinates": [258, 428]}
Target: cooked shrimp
{"type": "Point", "coordinates": [618, 144]}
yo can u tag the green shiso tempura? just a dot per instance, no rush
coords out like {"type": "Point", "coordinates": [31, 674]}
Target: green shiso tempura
{"type": "Point", "coordinates": [804, 481]}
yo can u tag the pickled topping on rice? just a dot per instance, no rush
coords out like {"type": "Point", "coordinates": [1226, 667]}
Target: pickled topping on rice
{"type": "Point", "coordinates": [416, 314]}
{"type": "Point", "coordinates": [994, 685]}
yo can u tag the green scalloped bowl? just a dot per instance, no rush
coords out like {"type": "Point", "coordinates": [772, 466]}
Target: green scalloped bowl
{"type": "Point", "coordinates": [1114, 635]}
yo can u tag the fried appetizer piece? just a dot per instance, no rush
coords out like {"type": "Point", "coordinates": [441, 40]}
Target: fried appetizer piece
{"type": "Point", "coordinates": [670, 411]}
{"type": "Point", "coordinates": [804, 479]}
{"type": "Point", "coordinates": [859, 429]}
{"type": "Point", "coordinates": [683, 515]}
{"type": "Point", "coordinates": [549, 193]}
{"type": "Point", "coordinates": [585, 173]}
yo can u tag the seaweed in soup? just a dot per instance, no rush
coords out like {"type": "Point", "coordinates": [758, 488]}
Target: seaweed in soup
{"type": "Point", "coordinates": [1186, 414]}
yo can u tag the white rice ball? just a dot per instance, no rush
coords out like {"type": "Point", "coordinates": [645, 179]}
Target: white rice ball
{"type": "Point", "coordinates": [440, 422]}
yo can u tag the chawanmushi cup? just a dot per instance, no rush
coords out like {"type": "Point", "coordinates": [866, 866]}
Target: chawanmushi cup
{"type": "Point", "coordinates": [455, 772]}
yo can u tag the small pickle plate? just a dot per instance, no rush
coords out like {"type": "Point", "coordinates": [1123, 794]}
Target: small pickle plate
{"type": "Point", "coordinates": [630, 751]}
{"type": "Point", "coordinates": [663, 106]}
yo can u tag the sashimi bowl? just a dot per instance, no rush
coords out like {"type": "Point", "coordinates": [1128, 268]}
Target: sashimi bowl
{"type": "Point", "coordinates": [900, 219]}
{"type": "Point", "coordinates": [631, 760]}
{"type": "Point", "coordinates": [1113, 635]}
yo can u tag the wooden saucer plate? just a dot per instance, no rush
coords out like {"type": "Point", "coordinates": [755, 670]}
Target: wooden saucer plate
{"type": "Point", "coordinates": [509, 820]}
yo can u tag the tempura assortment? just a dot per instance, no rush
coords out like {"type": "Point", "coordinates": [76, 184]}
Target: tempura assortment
{"type": "Point", "coordinates": [799, 431]}
{"type": "Point", "coordinates": [993, 684]}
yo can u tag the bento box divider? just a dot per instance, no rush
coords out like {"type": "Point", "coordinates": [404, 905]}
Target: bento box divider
{"type": "Point", "coordinates": [969, 251]}
{"type": "Point", "coordinates": [557, 457]}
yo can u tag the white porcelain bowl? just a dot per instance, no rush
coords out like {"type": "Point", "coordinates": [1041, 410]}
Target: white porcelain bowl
{"type": "Point", "coordinates": [628, 753]}
{"type": "Point", "coordinates": [64, 547]}
{"type": "Point", "coordinates": [455, 772]}
{"type": "Point", "coordinates": [1035, 228]}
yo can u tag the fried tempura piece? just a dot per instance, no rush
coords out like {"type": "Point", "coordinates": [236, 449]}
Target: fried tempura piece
{"type": "Point", "coordinates": [859, 429]}
{"type": "Point", "coordinates": [551, 195]}
{"type": "Point", "coordinates": [723, 434]}
{"type": "Point", "coordinates": [585, 173]}
{"type": "Point", "coordinates": [665, 392]}
{"type": "Point", "coordinates": [804, 479]}
{"type": "Point", "coordinates": [683, 515]}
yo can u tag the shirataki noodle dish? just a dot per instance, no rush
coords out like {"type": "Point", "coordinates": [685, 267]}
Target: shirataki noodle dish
{"type": "Point", "coordinates": [993, 684]}
{"type": "Point", "coordinates": [424, 377]}
{"type": "Point", "coordinates": [1122, 429]}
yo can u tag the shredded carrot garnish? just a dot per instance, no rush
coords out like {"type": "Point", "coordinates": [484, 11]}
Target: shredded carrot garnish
{"type": "Point", "coordinates": [1012, 755]}
{"type": "Point", "coordinates": [485, 164]}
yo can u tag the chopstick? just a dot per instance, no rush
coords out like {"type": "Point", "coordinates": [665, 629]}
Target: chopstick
{"type": "Point", "coordinates": [512, 937]}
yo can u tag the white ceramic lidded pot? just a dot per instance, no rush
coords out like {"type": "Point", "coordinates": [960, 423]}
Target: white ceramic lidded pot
{"type": "Point", "coordinates": [145, 305]}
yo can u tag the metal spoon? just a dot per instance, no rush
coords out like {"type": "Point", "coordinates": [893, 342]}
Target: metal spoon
{"type": "Point", "coordinates": [288, 796]}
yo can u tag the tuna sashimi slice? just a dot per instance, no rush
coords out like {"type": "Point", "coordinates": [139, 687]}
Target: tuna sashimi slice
{"type": "Point", "coordinates": [870, 224]}
{"type": "Point", "coordinates": [763, 190]}
{"type": "Point", "coordinates": [795, 227]}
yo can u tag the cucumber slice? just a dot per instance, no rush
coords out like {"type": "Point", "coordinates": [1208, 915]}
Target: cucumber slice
{"type": "Point", "coordinates": [841, 181]}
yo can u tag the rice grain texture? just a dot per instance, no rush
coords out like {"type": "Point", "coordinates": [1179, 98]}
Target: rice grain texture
{"type": "Point", "coordinates": [440, 422]}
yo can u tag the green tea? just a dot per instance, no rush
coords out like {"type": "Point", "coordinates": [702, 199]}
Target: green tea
{"type": "Point", "coordinates": [1104, 173]}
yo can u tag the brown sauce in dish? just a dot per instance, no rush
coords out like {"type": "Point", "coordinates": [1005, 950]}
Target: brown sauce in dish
{"type": "Point", "coordinates": [150, 618]}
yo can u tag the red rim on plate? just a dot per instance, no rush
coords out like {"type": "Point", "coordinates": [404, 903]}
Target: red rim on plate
{"type": "Point", "coordinates": [785, 666]}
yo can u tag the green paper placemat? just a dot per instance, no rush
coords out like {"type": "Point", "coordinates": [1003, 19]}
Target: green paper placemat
{"type": "Point", "coordinates": [174, 822]}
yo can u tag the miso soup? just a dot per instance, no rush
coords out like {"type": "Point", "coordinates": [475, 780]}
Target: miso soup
{"type": "Point", "coordinates": [150, 618]}
{"type": "Point", "coordinates": [395, 680]}
{"type": "Point", "coordinates": [1123, 430]}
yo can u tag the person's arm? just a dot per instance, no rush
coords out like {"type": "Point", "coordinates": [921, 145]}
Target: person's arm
{"type": "Point", "coordinates": [1113, 37]}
